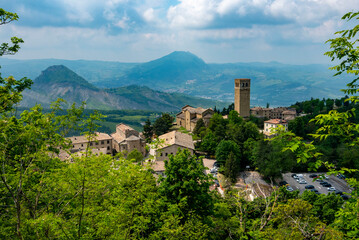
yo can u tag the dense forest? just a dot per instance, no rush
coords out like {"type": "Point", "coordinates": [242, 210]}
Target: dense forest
{"type": "Point", "coordinates": [105, 197]}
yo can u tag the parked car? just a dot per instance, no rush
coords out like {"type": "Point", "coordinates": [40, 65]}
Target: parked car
{"type": "Point", "coordinates": [216, 164]}
{"type": "Point", "coordinates": [338, 192]}
{"type": "Point", "coordinates": [341, 176]}
{"type": "Point", "coordinates": [214, 170]}
{"type": "Point", "coordinates": [313, 175]}
{"type": "Point", "coordinates": [345, 197]}
{"type": "Point", "coordinates": [309, 187]}
{"type": "Point", "coordinates": [283, 183]}
{"type": "Point", "coordinates": [328, 185]}
{"type": "Point", "coordinates": [315, 190]}
{"type": "Point", "coordinates": [295, 176]}
{"type": "Point", "coordinates": [289, 189]}
{"type": "Point", "coordinates": [216, 182]}
{"type": "Point", "coordinates": [302, 181]}
{"type": "Point", "coordinates": [331, 189]}
{"type": "Point", "coordinates": [323, 183]}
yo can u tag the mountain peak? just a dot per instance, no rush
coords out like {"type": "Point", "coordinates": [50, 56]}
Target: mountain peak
{"type": "Point", "coordinates": [61, 74]}
{"type": "Point", "coordinates": [183, 56]}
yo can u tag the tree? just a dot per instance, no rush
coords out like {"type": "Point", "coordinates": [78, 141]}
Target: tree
{"type": "Point", "coordinates": [224, 148]}
{"type": "Point", "coordinates": [271, 160]}
{"type": "Point", "coordinates": [135, 156]}
{"type": "Point", "coordinates": [186, 185]}
{"type": "Point", "coordinates": [163, 124]}
{"type": "Point", "coordinates": [148, 130]}
{"type": "Point", "coordinates": [200, 127]}
{"type": "Point", "coordinates": [231, 168]}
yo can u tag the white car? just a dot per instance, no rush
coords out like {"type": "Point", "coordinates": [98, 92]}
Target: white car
{"type": "Point", "coordinates": [302, 181]}
{"type": "Point", "coordinates": [331, 189]}
{"type": "Point", "coordinates": [289, 189]}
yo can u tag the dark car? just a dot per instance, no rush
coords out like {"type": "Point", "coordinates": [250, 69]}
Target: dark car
{"type": "Point", "coordinates": [322, 183]}
{"type": "Point", "coordinates": [338, 192]}
{"type": "Point", "coordinates": [313, 175]}
{"type": "Point", "coordinates": [327, 185]}
{"type": "Point", "coordinates": [294, 175]}
{"type": "Point", "coordinates": [341, 176]}
{"type": "Point", "coordinates": [345, 197]}
{"type": "Point", "coordinates": [315, 190]}
{"type": "Point", "coordinates": [216, 182]}
{"type": "Point", "coordinates": [309, 187]}
{"type": "Point", "coordinates": [283, 183]}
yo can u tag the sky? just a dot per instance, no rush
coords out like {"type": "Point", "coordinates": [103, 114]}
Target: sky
{"type": "Point", "coordinates": [218, 31]}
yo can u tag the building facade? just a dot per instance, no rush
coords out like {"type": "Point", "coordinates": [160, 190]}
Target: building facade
{"type": "Point", "coordinates": [271, 125]}
{"type": "Point", "coordinates": [172, 141]}
{"type": "Point", "coordinates": [242, 92]}
{"type": "Point", "coordinates": [283, 113]}
{"type": "Point", "coordinates": [189, 116]}
{"type": "Point", "coordinates": [125, 139]}
{"type": "Point", "coordinates": [101, 142]}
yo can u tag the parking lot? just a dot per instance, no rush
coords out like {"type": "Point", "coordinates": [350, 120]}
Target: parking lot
{"type": "Point", "coordinates": [338, 184]}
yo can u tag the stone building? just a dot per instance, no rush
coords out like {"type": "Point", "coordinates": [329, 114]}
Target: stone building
{"type": "Point", "coordinates": [283, 113]}
{"type": "Point", "coordinates": [289, 115]}
{"type": "Point", "coordinates": [271, 125]}
{"type": "Point", "coordinates": [172, 142]}
{"type": "Point", "coordinates": [189, 116]}
{"type": "Point", "coordinates": [102, 142]}
{"type": "Point", "coordinates": [126, 139]}
{"type": "Point", "coordinates": [242, 89]}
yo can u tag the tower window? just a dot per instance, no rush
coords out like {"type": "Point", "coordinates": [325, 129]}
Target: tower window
{"type": "Point", "coordinates": [246, 84]}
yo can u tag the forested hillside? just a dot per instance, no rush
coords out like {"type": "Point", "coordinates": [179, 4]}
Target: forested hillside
{"type": "Point", "coordinates": [60, 82]}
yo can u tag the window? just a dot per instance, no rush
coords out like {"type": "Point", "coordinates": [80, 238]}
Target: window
{"type": "Point", "coordinates": [102, 142]}
{"type": "Point", "coordinates": [82, 145]}
{"type": "Point", "coordinates": [161, 154]}
{"type": "Point", "coordinates": [90, 143]}
{"type": "Point", "coordinates": [108, 147]}
{"type": "Point", "coordinates": [108, 141]}
{"type": "Point", "coordinates": [166, 154]}
{"type": "Point", "coordinates": [246, 84]}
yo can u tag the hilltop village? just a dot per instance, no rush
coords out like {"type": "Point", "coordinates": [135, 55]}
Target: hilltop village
{"type": "Point", "coordinates": [130, 143]}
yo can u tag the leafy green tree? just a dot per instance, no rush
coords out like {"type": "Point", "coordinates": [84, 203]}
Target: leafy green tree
{"type": "Point", "coordinates": [186, 185]}
{"type": "Point", "coordinates": [209, 143]}
{"type": "Point", "coordinates": [148, 130]}
{"type": "Point", "coordinates": [231, 168]}
{"type": "Point", "coordinates": [271, 160]}
{"type": "Point", "coordinates": [163, 124]}
{"type": "Point", "coordinates": [224, 148]}
{"type": "Point", "coordinates": [200, 127]}
{"type": "Point", "coordinates": [234, 118]}
{"type": "Point", "coordinates": [135, 156]}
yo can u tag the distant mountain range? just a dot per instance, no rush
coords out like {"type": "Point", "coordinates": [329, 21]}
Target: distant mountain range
{"type": "Point", "coordinates": [60, 82]}
{"type": "Point", "coordinates": [182, 72]}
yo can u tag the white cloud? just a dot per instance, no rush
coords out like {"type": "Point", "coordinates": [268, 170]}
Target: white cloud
{"type": "Point", "coordinates": [191, 13]}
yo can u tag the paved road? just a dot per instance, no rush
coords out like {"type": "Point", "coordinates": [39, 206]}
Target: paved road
{"type": "Point", "coordinates": [339, 184]}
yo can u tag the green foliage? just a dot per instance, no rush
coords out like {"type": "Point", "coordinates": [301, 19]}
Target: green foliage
{"type": "Point", "coordinates": [270, 160]}
{"type": "Point", "coordinates": [135, 156]}
{"type": "Point", "coordinates": [186, 185]}
{"type": "Point", "coordinates": [224, 148]}
{"type": "Point", "coordinates": [148, 131]}
{"type": "Point", "coordinates": [346, 49]}
{"type": "Point", "coordinates": [163, 124]}
{"type": "Point", "coordinates": [200, 127]}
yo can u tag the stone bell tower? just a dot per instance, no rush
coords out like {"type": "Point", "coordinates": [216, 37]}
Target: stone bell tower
{"type": "Point", "coordinates": [242, 95]}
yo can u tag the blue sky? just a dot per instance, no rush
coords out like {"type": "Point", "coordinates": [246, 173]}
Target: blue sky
{"type": "Point", "coordinates": [218, 31]}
